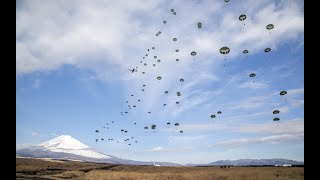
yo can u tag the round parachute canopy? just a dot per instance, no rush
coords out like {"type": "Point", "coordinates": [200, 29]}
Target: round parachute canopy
{"type": "Point", "coordinates": [181, 131]}
{"type": "Point", "coordinates": [134, 105]}
{"type": "Point", "coordinates": [193, 53]}
{"type": "Point", "coordinates": [242, 17]}
{"type": "Point", "coordinates": [199, 24]}
{"type": "Point", "coordinates": [155, 57]}
{"type": "Point", "coordinates": [276, 119]}
{"type": "Point", "coordinates": [97, 131]}
{"type": "Point", "coordinates": [126, 112]}
{"type": "Point", "coordinates": [153, 126]}
{"type": "Point", "coordinates": [176, 124]}
{"type": "Point", "coordinates": [174, 13]}
{"type": "Point", "coordinates": [164, 22]}
{"type": "Point", "coordinates": [135, 123]}
{"type": "Point", "coordinates": [153, 65]}
{"type": "Point", "coordinates": [226, 0]}
{"type": "Point", "coordinates": [127, 101]}
{"type": "Point", "coordinates": [146, 127]}
{"type": "Point", "coordinates": [270, 26]}
{"type": "Point", "coordinates": [102, 139]}
{"type": "Point", "coordinates": [219, 112]}
{"type": "Point", "coordinates": [172, 10]}
{"type": "Point", "coordinates": [153, 48]}
{"type": "Point", "coordinates": [149, 112]}
{"type": "Point", "coordinates": [181, 80]}
{"type": "Point", "coordinates": [276, 112]}
{"type": "Point", "coordinates": [143, 72]}
{"type": "Point", "coordinates": [143, 85]}
{"type": "Point", "coordinates": [174, 39]}
{"type": "Point", "coordinates": [164, 104]}
{"type": "Point", "coordinates": [166, 92]}
{"type": "Point", "coordinates": [224, 50]}
{"type": "Point", "coordinates": [177, 60]}
{"type": "Point", "coordinates": [136, 141]}
{"type": "Point", "coordinates": [178, 94]}
{"type": "Point", "coordinates": [159, 77]}
{"type": "Point", "coordinates": [283, 93]}
{"type": "Point", "coordinates": [145, 64]}
{"type": "Point", "coordinates": [168, 123]}
{"type": "Point", "coordinates": [252, 75]}
{"type": "Point", "coordinates": [267, 50]}
{"type": "Point", "coordinates": [199, 27]}
{"type": "Point", "coordinates": [177, 50]}
{"type": "Point", "coordinates": [177, 102]}
{"type": "Point", "coordinates": [245, 52]}
{"type": "Point", "coordinates": [131, 94]}
{"type": "Point", "coordinates": [158, 60]}
{"type": "Point", "coordinates": [125, 131]}
{"type": "Point", "coordinates": [146, 54]}
{"type": "Point", "coordinates": [96, 140]}
{"type": "Point", "coordinates": [122, 130]}
{"type": "Point", "coordinates": [148, 49]}
{"type": "Point", "coordinates": [213, 116]}
{"type": "Point", "coordinates": [159, 32]}
{"type": "Point", "coordinates": [139, 100]}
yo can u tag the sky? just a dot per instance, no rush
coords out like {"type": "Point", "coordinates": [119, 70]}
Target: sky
{"type": "Point", "coordinates": [72, 77]}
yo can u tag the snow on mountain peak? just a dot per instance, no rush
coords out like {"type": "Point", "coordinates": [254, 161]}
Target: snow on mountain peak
{"type": "Point", "coordinates": [67, 144]}
{"type": "Point", "coordinates": [63, 142]}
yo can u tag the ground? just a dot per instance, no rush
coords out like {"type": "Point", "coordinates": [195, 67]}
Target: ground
{"type": "Point", "coordinates": [37, 169]}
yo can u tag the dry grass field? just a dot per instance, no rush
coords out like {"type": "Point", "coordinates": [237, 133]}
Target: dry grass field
{"type": "Point", "coordinates": [44, 169]}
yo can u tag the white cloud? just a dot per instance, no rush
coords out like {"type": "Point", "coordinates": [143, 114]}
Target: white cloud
{"type": "Point", "coordinates": [33, 133]}
{"type": "Point", "coordinates": [171, 149]}
{"type": "Point", "coordinates": [255, 85]}
{"type": "Point", "coordinates": [269, 139]}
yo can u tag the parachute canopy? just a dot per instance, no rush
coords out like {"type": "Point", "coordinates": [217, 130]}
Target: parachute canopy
{"type": "Point", "coordinates": [267, 50]}
{"type": "Point", "coordinates": [224, 50]}
{"type": "Point", "coordinates": [245, 52]}
{"type": "Point", "coordinates": [276, 112]}
{"type": "Point", "coordinates": [283, 93]}
{"type": "Point", "coordinates": [242, 17]}
{"type": "Point", "coordinates": [219, 112]}
{"type": "Point", "coordinates": [213, 116]}
{"type": "Point", "coordinates": [193, 53]}
{"type": "Point", "coordinates": [276, 119]}
{"type": "Point", "coordinates": [252, 75]}
{"type": "Point", "coordinates": [270, 26]}
{"type": "Point", "coordinates": [159, 77]}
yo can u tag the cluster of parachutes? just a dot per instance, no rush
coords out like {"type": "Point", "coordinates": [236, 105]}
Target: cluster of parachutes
{"type": "Point", "coordinates": [225, 50]}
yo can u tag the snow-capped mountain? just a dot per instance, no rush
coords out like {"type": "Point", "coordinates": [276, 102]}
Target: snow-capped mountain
{"type": "Point", "coordinates": [67, 144]}
{"type": "Point", "coordinates": [66, 147]}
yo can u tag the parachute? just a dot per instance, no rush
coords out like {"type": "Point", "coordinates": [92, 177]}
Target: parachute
{"type": "Point", "coordinates": [276, 112]}
{"type": "Point", "coordinates": [276, 119]}
{"type": "Point", "coordinates": [177, 102]}
{"type": "Point", "coordinates": [252, 75]}
{"type": "Point", "coordinates": [283, 93]}
{"type": "Point", "coordinates": [267, 50]}
{"type": "Point", "coordinates": [181, 131]}
{"type": "Point", "coordinates": [177, 50]}
{"type": "Point", "coordinates": [153, 48]}
{"type": "Point", "coordinates": [242, 17]}
{"type": "Point", "coordinates": [153, 126]}
{"type": "Point", "coordinates": [199, 25]}
{"type": "Point", "coordinates": [181, 80]}
{"type": "Point", "coordinates": [178, 94]}
{"type": "Point", "coordinates": [164, 22]}
{"type": "Point", "coordinates": [176, 124]}
{"type": "Point", "coordinates": [213, 116]}
{"type": "Point", "coordinates": [166, 92]}
{"type": "Point", "coordinates": [245, 52]}
{"type": "Point", "coordinates": [168, 123]}
{"type": "Point", "coordinates": [158, 60]}
{"type": "Point", "coordinates": [177, 60]}
{"type": "Point", "coordinates": [155, 57]}
{"type": "Point", "coordinates": [270, 26]}
{"type": "Point", "coordinates": [224, 50]}
{"type": "Point", "coordinates": [146, 127]}
{"type": "Point", "coordinates": [164, 104]}
{"type": "Point", "coordinates": [193, 53]}
{"type": "Point", "coordinates": [159, 77]}
{"type": "Point", "coordinates": [174, 39]}
{"type": "Point", "coordinates": [219, 112]}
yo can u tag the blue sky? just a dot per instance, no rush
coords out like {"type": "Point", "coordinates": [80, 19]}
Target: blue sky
{"type": "Point", "coordinates": [72, 61]}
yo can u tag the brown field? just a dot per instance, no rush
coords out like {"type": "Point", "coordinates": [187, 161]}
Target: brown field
{"type": "Point", "coordinates": [45, 169]}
